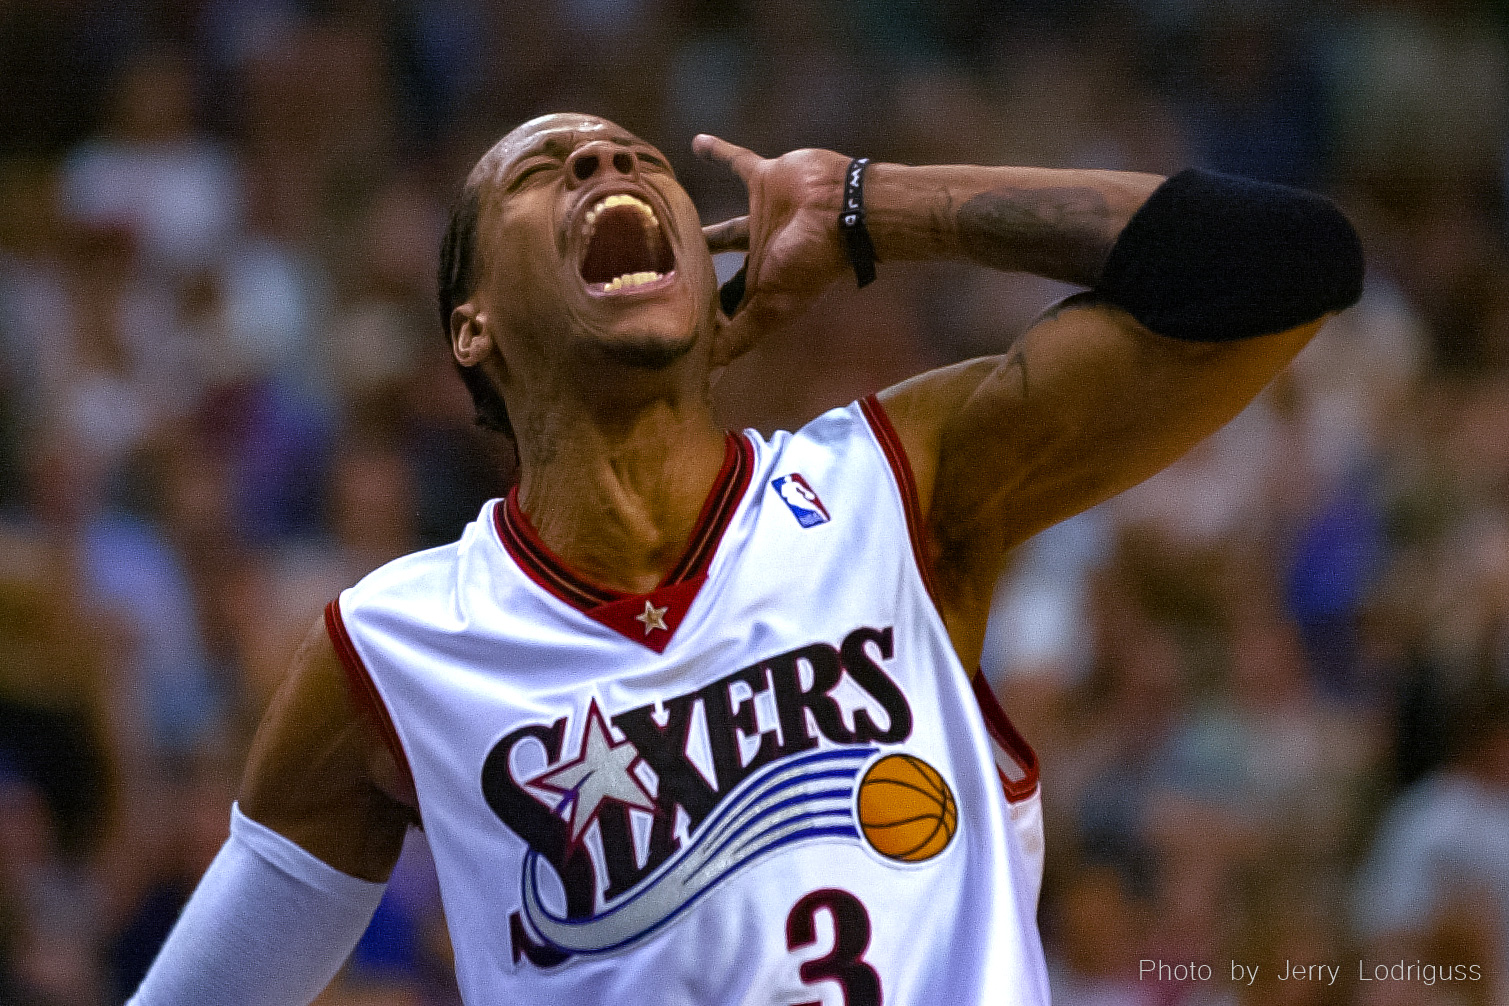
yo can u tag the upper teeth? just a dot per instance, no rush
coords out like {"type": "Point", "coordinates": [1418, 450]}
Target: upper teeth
{"type": "Point", "coordinates": [589, 223]}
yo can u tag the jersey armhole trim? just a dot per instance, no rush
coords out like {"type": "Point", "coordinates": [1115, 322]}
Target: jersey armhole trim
{"type": "Point", "coordinates": [1016, 762]}
{"type": "Point", "coordinates": [364, 691]}
{"type": "Point", "coordinates": [906, 482]}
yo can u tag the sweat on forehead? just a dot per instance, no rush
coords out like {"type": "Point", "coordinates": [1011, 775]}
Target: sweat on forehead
{"type": "Point", "coordinates": [526, 135]}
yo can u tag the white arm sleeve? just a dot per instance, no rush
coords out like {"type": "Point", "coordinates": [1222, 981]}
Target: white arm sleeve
{"type": "Point", "coordinates": [268, 925]}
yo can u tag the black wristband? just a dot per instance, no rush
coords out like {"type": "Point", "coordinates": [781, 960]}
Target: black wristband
{"type": "Point", "coordinates": [851, 223]}
{"type": "Point", "coordinates": [1210, 258]}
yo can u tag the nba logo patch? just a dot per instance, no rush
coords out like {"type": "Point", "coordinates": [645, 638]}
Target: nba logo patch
{"type": "Point", "coordinates": [802, 500]}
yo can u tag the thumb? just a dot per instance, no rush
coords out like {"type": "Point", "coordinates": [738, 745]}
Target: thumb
{"type": "Point", "coordinates": [760, 315]}
{"type": "Point", "coordinates": [735, 338]}
{"type": "Point", "coordinates": [730, 235]}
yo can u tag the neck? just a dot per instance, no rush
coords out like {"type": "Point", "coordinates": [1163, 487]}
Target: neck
{"type": "Point", "coordinates": [618, 500]}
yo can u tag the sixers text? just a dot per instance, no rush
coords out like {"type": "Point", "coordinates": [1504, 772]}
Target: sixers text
{"type": "Point", "coordinates": [662, 739]}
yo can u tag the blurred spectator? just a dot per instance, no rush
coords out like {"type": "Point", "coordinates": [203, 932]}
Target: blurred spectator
{"type": "Point", "coordinates": [51, 958]}
{"type": "Point", "coordinates": [1253, 105]}
{"type": "Point", "coordinates": [58, 724]}
{"type": "Point", "coordinates": [155, 859]}
{"type": "Point", "coordinates": [1438, 872]}
{"type": "Point", "coordinates": [1421, 96]}
{"type": "Point", "coordinates": [152, 174]}
{"type": "Point", "coordinates": [131, 579]}
{"type": "Point", "coordinates": [1096, 929]}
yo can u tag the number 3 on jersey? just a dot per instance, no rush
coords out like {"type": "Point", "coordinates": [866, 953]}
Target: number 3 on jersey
{"type": "Point", "coordinates": [845, 963]}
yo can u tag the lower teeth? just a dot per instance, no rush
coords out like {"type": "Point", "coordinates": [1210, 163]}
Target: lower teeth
{"type": "Point", "coordinates": [629, 279]}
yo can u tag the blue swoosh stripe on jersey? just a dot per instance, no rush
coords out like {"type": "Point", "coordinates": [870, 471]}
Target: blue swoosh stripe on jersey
{"type": "Point", "coordinates": [752, 819]}
{"type": "Point", "coordinates": [839, 801]}
{"type": "Point", "coordinates": [675, 886]}
{"type": "Point", "coordinates": [781, 776]}
{"type": "Point", "coordinates": [784, 773]}
{"type": "Point", "coordinates": [753, 844]}
{"type": "Point", "coordinates": [776, 836]}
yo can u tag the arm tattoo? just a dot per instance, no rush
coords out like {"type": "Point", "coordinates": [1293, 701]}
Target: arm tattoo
{"type": "Point", "coordinates": [1016, 356]}
{"type": "Point", "coordinates": [1060, 233]}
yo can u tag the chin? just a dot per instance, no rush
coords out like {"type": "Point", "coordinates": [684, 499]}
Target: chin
{"type": "Point", "coordinates": [646, 351]}
{"type": "Point", "coordinates": [647, 333]}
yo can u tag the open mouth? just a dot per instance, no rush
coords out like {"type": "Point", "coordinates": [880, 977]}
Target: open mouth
{"type": "Point", "coordinates": [625, 246]}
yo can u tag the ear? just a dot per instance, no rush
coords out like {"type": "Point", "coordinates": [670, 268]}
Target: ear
{"type": "Point", "coordinates": [470, 341]}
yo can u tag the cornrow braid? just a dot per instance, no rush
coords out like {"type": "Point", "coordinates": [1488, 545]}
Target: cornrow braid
{"type": "Point", "coordinates": [456, 280]}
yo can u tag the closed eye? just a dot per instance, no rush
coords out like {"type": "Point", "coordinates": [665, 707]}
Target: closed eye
{"type": "Point", "coordinates": [531, 170]}
{"type": "Point", "coordinates": [652, 161]}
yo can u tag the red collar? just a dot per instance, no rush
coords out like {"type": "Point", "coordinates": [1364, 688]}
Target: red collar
{"type": "Point", "coordinates": [650, 619]}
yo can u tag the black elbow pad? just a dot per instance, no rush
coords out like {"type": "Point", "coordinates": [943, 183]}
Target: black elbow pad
{"type": "Point", "coordinates": [1211, 258]}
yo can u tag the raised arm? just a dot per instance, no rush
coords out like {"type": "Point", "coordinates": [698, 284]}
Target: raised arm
{"type": "Point", "coordinates": [1202, 288]}
{"type": "Point", "coordinates": [314, 836]}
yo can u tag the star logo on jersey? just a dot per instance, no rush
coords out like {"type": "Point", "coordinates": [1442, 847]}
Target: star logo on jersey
{"type": "Point", "coordinates": [601, 771]}
{"type": "Point", "coordinates": [653, 618]}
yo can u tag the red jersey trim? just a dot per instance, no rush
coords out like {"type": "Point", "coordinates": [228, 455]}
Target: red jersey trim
{"type": "Point", "coordinates": [363, 690]}
{"type": "Point", "coordinates": [906, 482]}
{"type": "Point", "coordinates": [1016, 762]}
{"type": "Point", "coordinates": [553, 575]}
{"type": "Point", "coordinates": [728, 490]}
{"type": "Point", "coordinates": [539, 563]}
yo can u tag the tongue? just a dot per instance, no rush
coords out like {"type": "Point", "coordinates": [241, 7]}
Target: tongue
{"type": "Point", "coordinates": [624, 242]}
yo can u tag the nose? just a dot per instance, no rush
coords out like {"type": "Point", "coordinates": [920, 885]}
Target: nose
{"type": "Point", "coordinates": [597, 158]}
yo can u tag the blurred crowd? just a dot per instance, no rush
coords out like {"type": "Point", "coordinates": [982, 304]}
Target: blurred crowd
{"type": "Point", "coordinates": [1269, 688]}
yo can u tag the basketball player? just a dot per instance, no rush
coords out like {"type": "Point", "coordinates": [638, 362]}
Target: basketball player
{"type": "Point", "coordinates": [690, 716]}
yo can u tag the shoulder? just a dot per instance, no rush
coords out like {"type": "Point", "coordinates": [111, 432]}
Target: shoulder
{"type": "Point", "coordinates": [855, 444]}
{"type": "Point", "coordinates": [863, 425]}
{"type": "Point", "coordinates": [916, 412]}
{"type": "Point", "coordinates": [318, 772]}
{"type": "Point", "coordinates": [426, 573]}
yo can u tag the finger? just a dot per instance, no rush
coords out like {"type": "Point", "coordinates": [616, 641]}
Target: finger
{"type": "Point", "coordinates": [730, 235]}
{"type": "Point", "coordinates": [740, 160]}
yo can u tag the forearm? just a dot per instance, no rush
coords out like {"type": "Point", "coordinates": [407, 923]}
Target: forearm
{"type": "Point", "coordinates": [1199, 256]}
{"type": "Point", "coordinates": [1061, 224]}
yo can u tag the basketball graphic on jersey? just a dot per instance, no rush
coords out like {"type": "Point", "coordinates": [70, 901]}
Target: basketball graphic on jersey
{"type": "Point", "coordinates": [906, 810]}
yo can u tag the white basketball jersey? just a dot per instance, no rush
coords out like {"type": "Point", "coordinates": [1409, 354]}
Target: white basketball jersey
{"type": "Point", "coordinates": [768, 781]}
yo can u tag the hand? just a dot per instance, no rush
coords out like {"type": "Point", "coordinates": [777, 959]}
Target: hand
{"type": "Point", "coordinates": [790, 233]}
